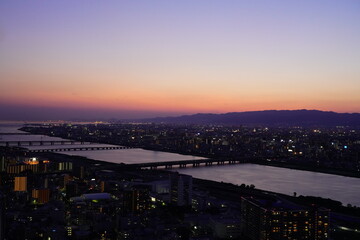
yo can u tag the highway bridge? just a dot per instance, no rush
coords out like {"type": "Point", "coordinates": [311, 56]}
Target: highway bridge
{"type": "Point", "coordinates": [42, 143]}
{"type": "Point", "coordinates": [185, 163]}
{"type": "Point", "coordinates": [78, 149]}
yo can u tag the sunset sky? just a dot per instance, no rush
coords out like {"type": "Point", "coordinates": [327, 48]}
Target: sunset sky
{"type": "Point", "coordinates": [98, 59]}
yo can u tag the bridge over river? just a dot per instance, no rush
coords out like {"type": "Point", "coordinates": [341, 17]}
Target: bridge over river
{"type": "Point", "coordinates": [185, 163]}
{"type": "Point", "coordinates": [42, 143]}
{"type": "Point", "coordinates": [78, 149]}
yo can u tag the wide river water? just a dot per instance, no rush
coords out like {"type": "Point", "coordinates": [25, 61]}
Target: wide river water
{"type": "Point", "coordinates": [282, 180]}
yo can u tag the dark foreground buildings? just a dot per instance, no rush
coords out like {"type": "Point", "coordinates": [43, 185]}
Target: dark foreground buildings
{"type": "Point", "coordinates": [107, 201]}
{"type": "Point", "coordinates": [276, 218]}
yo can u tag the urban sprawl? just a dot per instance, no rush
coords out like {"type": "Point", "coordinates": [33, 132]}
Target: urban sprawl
{"type": "Point", "coordinates": [50, 195]}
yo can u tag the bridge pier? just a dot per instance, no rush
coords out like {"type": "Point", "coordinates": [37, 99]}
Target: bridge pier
{"type": "Point", "coordinates": [168, 166]}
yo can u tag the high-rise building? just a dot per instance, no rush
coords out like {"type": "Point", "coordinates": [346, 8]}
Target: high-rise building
{"type": "Point", "coordinates": [102, 186]}
{"type": "Point", "coordinates": [226, 227]}
{"type": "Point", "coordinates": [2, 164]}
{"type": "Point", "coordinates": [82, 172]}
{"type": "Point", "coordinates": [65, 166]}
{"type": "Point", "coordinates": [136, 199]}
{"type": "Point", "coordinates": [46, 182]}
{"type": "Point", "coordinates": [20, 184]}
{"type": "Point", "coordinates": [180, 189]}
{"type": "Point", "coordinates": [42, 195]}
{"type": "Point", "coordinates": [274, 218]}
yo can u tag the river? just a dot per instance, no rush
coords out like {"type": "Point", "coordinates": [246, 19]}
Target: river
{"type": "Point", "coordinates": [282, 180]}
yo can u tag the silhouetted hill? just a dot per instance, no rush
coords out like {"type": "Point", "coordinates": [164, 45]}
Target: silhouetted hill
{"type": "Point", "coordinates": [270, 117]}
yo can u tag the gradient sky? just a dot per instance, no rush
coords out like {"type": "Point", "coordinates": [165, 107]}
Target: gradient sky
{"type": "Point", "coordinates": [123, 59]}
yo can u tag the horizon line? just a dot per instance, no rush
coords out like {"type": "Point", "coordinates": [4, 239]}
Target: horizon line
{"type": "Point", "coordinates": [108, 119]}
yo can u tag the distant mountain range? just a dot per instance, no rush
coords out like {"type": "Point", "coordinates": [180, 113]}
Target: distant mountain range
{"type": "Point", "coordinates": [269, 117]}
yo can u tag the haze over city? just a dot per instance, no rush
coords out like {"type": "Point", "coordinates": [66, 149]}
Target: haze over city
{"type": "Point", "coordinates": [136, 59]}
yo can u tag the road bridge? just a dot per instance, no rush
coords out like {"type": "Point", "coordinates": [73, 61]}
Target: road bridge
{"type": "Point", "coordinates": [185, 163]}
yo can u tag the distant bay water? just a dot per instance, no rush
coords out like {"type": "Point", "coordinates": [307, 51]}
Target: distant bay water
{"type": "Point", "coordinates": [282, 180]}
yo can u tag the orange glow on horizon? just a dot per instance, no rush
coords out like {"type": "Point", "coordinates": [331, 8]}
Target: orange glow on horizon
{"type": "Point", "coordinates": [186, 105]}
{"type": "Point", "coordinates": [137, 93]}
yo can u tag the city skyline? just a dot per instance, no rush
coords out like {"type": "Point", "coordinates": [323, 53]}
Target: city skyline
{"type": "Point", "coordinates": [113, 59]}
